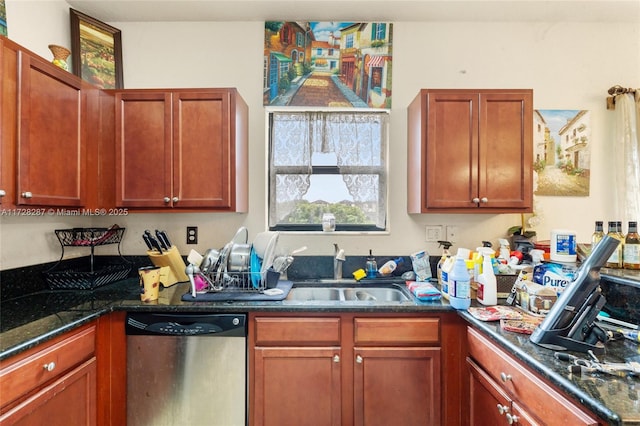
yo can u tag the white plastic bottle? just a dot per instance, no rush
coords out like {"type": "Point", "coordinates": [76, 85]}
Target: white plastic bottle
{"type": "Point", "coordinates": [444, 274]}
{"type": "Point", "coordinates": [487, 284]}
{"type": "Point", "coordinates": [389, 266]}
{"type": "Point", "coordinates": [459, 285]}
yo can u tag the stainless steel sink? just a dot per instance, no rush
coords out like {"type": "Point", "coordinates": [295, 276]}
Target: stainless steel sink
{"type": "Point", "coordinates": [310, 294]}
{"type": "Point", "coordinates": [375, 294]}
{"type": "Point", "coordinates": [321, 292]}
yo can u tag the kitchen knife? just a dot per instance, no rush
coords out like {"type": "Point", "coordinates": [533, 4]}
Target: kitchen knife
{"type": "Point", "coordinates": [161, 240]}
{"type": "Point", "coordinates": [165, 239]}
{"type": "Point", "coordinates": [147, 241]}
{"type": "Point", "coordinates": [153, 241]}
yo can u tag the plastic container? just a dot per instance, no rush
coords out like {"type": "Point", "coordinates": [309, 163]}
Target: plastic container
{"type": "Point", "coordinates": [563, 245]}
{"type": "Point", "coordinates": [390, 266]}
{"type": "Point", "coordinates": [445, 270]}
{"type": "Point", "coordinates": [371, 267]}
{"type": "Point", "coordinates": [459, 285]}
{"type": "Point", "coordinates": [487, 284]}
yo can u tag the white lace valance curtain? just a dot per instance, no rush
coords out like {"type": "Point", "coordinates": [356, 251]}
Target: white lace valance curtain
{"type": "Point", "coordinates": [357, 139]}
{"type": "Point", "coordinates": [627, 156]}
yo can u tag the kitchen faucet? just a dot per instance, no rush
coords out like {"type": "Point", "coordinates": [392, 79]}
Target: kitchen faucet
{"type": "Point", "coordinates": [338, 259]}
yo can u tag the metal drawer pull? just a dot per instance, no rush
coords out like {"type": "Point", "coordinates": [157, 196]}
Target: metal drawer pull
{"type": "Point", "coordinates": [476, 200]}
{"type": "Point", "coordinates": [512, 419]}
{"type": "Point", "coordinates": [50, 366]}
{"type": "Point", "coordinates": [27, 194]}
{"type": "Point", "coordinates": [358, 359]}
{"type": "Point", "coordinates": [175, 199]}
{"type": "Point", "coordinates": [505, 377]}
{"type": "Point", "coordinates": [484, 199]}
{"type": "Point", "coordinates": [503, 409]}
{"type": "Point", "coordinates": [2, 193]}
{"type": "Point", "coordinates": [336, 358]}
{"type": "Point", "coordinates": [166, 199]}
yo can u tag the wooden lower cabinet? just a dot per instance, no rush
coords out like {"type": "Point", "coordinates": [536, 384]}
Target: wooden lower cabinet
{"type": "Point", "coordinates": [53, 383]}
{"type": "Point", "coordinates": [69, 400]}
{"type": "Point", "coordinates": [503, 391]}
{"type": "Point", "coordinates": [345, 369]}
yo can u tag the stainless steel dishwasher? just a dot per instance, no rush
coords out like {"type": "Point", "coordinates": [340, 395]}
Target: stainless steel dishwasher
{"type": "Point", "coordinates": [186, 369]}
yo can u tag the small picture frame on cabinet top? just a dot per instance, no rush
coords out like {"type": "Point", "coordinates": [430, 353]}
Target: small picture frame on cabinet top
{"type": "Point", "coordinates": [96, 51]}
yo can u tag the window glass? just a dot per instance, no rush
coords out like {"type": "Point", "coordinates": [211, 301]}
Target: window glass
{"type": "Point", "coordinates": [328, 162]}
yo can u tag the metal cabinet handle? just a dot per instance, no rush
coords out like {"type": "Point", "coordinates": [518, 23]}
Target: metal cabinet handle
{"type": "Point", "coordinates": [50, 366]}
{"type": "Point", "coordinates": [27, 194]}
{"type": "Point", "coordinates": [502, 409]}
{"type": "Point", "coordinates": [505, 377]}
{"type": "Point", "coordinates": [2, 193]}
{"type": "Point", "coordinates": [484, 200]}
{"type": "Point", "coordinates": [512, 419]}
{"type": "Point", "coordinates": [166, 199]}
{"type": "Point", "coordinates": [336, 358]}
{"type": "Point", "coordinates": [175, 199]}
{"type": "Point", "coordinates": [359, 359]}
{"type": "Point", "coordinates": [476, 200]}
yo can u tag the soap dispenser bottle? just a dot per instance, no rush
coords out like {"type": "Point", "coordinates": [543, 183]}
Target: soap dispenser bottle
{"type": "Point", "coordinates": [371, 267]}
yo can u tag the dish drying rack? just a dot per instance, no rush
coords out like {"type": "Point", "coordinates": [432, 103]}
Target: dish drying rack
{"type": "Point", "coordinates": [233, 282]}
{"type": "Point", "coordinates": [97, 274]}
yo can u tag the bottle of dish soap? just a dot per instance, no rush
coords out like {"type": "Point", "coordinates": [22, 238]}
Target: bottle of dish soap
{"type": "Point", "coordinates": [487, 284]}
{"type": "Point", "coordinates": [371, 267]}
{"type": "Point", "coordinates": [443, 267]}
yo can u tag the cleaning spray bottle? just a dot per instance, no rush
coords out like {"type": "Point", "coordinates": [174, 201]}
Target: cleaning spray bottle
{"type": "Point", "coordinates": [487, 283]}
{"type": "Point", "coordinates": [444, 266]}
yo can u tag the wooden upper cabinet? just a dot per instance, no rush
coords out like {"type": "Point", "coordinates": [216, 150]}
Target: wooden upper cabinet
{"type": "Point", "coordinates": [181, 148]}
{"type": "Point", "coordinates": [50, 152]}
{"type": "Point", "coordinates": [8, 90]}
{"type": "Point", "coordinates": [470, 150]}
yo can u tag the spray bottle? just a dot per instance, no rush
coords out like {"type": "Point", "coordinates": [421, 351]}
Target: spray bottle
{"type": "Point", "coordinates": [487, 285]}
{"type": "Point", "coordinates": [444, 266]}
{"type": "Point", "coordinates": [505, 252]}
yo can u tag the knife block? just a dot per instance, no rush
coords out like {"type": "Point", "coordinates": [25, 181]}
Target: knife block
{"type": "Point", "coordinates": [173, 260]}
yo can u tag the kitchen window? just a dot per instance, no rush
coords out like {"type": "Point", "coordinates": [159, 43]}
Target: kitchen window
{"type": "Point", "coordinates": [328, 162]}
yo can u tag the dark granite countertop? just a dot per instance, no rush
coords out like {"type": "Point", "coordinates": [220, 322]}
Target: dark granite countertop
{"type": "Point", "coordinates": [35, 318]}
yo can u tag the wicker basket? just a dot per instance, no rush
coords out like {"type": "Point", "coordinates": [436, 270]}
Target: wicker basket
{"type": "Point", "coordinates": [59, 52]}
{"type": "Point", "coordinates": [505, 283]}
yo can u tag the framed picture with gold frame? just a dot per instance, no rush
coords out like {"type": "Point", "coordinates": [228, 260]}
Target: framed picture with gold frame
{"type": "Point", "coordinates": [96, 51]}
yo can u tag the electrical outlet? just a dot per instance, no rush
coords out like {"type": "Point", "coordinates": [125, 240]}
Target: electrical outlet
{"type": "Point", "coordinates": [452, 233]}
{"type": "Point", "coordinates": [434, 233]}
{"type": "Point", "coordinates": [192, 235]}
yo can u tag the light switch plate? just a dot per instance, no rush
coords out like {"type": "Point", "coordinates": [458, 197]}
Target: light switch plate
{"type": "Point", "coordinates": [433, 233]}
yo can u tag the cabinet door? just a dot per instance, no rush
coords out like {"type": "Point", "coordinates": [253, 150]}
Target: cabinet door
{"type": "Point", "coordinates": [51, 158]}
{"type": "Point", "coordinates": [143, 149]}
{"type": "Point", "coordinates": [69, 400]}
{"type": "Point", "coordinates": [202, 149]}
{"type": "Point", "coordinates": [396, 386]}
{"type": "Point", "coordinates": [8, 110]}
{"type": "Point", "coordinates": [489, 403]}
{"type": "Point", "coordinates": [297, 386]}
{"type": "Point", "coordinates": [451, 150]}
{"type": "Point", "coordinates": [506, 151]}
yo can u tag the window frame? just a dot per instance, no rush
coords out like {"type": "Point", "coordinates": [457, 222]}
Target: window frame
{"type": "Point", "coordinates": [328, 170]}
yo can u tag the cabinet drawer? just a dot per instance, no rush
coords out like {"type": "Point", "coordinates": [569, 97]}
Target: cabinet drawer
{"type": "Point", "coordinates": [396, 331]}
{"type": "Point", "coordinates": [18, 377]}
{"type": "Point", "coordinates": [523, 385]}
{"type": "Point", "coordinates": [300, 331]}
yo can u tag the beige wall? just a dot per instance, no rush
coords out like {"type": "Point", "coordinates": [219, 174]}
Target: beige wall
{"type": "Point", "coordinates": [568, 65]}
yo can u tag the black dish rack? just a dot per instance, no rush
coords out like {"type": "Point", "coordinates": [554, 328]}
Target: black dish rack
{"type": "Point", "coordinates": [96, 274]}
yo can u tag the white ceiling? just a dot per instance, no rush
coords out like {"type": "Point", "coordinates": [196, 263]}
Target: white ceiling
{"type": "Point", "coordinates": [361, 10]}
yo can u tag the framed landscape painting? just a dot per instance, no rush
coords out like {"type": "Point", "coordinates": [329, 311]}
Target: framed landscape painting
{"type": "Point", "coordinates": [96, 51]}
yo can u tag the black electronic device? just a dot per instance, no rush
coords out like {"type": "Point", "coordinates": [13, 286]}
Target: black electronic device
{"type": "Point", "coordinates": [570, 323]}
